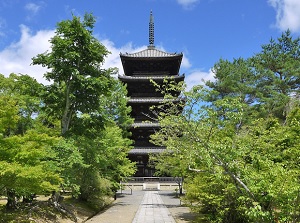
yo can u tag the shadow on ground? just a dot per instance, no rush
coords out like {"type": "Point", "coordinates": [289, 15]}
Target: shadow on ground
{"type": "Point", "coordinates": [179, 211]}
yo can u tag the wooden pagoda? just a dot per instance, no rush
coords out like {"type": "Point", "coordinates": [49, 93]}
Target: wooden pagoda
{"type": "Point", "coordinates": [139, 69]}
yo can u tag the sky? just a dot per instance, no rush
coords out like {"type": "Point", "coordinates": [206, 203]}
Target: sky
{"type": "Point", "coordinates": [205, 31]}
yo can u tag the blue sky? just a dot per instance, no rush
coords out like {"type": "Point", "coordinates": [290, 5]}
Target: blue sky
{"type": "Point", "coordinates": [203, 30]}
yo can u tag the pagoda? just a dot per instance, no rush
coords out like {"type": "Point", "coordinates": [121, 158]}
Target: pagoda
{"type": "Point", "coordinates": [139, 69]}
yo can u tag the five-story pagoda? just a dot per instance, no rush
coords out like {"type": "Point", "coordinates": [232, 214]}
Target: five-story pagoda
{"type": "Point", "coordinates": [139, 69]}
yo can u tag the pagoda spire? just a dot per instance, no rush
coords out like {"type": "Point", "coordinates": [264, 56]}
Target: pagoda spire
{"type": "Point", "coordinates": [151, 31]}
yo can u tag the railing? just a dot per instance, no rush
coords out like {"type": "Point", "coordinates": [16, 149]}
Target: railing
{"type": "Point", "coordinates": [151, 183]}
{"type": "Point", "coordinates": [154, 179]}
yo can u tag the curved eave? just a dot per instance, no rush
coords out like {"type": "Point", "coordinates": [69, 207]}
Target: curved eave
{"type": "Point", "coordinates": [164, 64]}
{"type": "Point", "coordinates": [150, 52]}
{"type": "Point", "coordinates": [128, 59]}
{"type": "Point", "coordinates": [175, 57]}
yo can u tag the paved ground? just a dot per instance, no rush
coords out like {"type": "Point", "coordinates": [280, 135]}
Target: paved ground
{"type": "Point", "coordinates": [145, 207]}
{"type": "Point", "coordinates": [152, 209]}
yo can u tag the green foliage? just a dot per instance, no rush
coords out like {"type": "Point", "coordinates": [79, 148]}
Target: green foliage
{"type": "Point", "coordinates": [71, 134]}
{"type": "Point", "coordinates": [115, 104]}
{"type": "Point", "coordinates": [277, 71]}
{"type": "Point", "coordinates": [25, 164]}
{"type": "Point", "coordinates": [78, 81]}
{"type": "Point", "coordinates": [92, 108]}
{"type": "Point", "coordinates": [106, 157]}
{"type": "Point", "coordinates": [69, 161]}
{"type": "Point", "coordinates": [26, 156]}
{"type": "Point", "coordinates": [218, 202]}
{"type": "Point", "coordinates": [237, 141]}
{"type": "Point", "coordinates": [24, 91]}
{"type": "Point", "coordinates": [233, 79]}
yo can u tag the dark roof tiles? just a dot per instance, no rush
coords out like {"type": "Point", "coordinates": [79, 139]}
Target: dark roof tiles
{"type": "Point", "coordinates": [151, 52]}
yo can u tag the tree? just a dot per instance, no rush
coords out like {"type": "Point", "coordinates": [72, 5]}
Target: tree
{"type": "Point", "coordinates": [26, 92]}
{"type": "Point", "coordinates": [236, 140]}
{"type": "Point", "coordinates": [277, 70]}
{"type": "Point", "coordinates": [233, 79]}
{"type": "Point", "coordinates": [27, 161]}
{"type": "Point", "coordinates": [75, 69]}
{"type": "Point", "coordinates": [233, 173]}
{"type": "Point", "coordinates": [270, 74]}
{"type": "Point", "coordinates": [89, 102]}
{"type": "Point", "coordinates": [107, 163]}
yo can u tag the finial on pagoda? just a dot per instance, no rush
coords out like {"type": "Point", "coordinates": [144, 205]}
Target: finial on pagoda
{"type": "Point", "coordinates": [151, 31]}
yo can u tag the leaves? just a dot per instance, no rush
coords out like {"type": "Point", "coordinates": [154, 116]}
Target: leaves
{"type": "Point", "coordinates": [88, 102]}
{"type": "Point", "coordinates": [75, 61]}
{"type": "Point", "coordinates": [71, 134]}
{"type": "Point", "coordinates": [236, 141]}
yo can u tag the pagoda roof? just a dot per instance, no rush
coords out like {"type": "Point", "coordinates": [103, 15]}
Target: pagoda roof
{"type": "Point", "coordinates": [151, 52]}
{"type": "Point", "coordinates": [151, 60]}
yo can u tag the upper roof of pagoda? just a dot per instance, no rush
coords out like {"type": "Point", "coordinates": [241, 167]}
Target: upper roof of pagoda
{"type": "Point", "coordinates": [151, 52]}
{"type": "Point", "coordinates": [151, 60]}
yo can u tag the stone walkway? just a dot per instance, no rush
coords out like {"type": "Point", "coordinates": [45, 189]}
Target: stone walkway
{"type": "Point", "coordinates": [145, 207]}
{"type": "Point", "coordinates": [152, 209]}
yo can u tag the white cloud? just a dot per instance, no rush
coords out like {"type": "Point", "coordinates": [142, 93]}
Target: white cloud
{"type": "Point", "coordinates": [197, 77]}
{"type": "Point", "coordinates": [113, 59]}
{"type": "Point", "coordinates": [16, 58]}
{"type": "Point", "coordinates": [2, 26]}
{"type": "Point", "coordinates": [287, 14]}
{"type": "Point", "coordinates": [187, 4]}
{"type": "Point", "coordinates": [194, 76]}
{"type": "Point", "coordinates": [185, 63]}
{"type": "Point", "coordinates": [32, 7]}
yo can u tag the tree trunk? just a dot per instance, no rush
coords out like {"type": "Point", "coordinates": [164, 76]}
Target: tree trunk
{"type": "Point", "coordinates": [66, 118]}
{"type": "Point", "coordinates": [180, 186]}
{"type": "Point", "coordinates": [11, 199]}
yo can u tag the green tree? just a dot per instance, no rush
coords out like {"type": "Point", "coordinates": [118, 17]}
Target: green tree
{"type": "Point", "coordinates": [233, 79]}
{"type": "Point", "coordinates": [75, 69]}
{"type": "Point", "coordinates": [277, 74]}
{"type": "Point", "coordinates": [26, 92]}
{"type": "Point", "coordinates": [116, 107]}
{"type": "Point", "coordinates": [236, 139]}
{"type": "Point", "coordinates": [235, 173]}
{"type": "Point", "coordinates": [107, 163]}
{"type": "Point", "coordinates": [89, 102]}
{"type": "Point", "coordinates": [27, 160]}
{"type": "Point", "coordinates": [266, 81]}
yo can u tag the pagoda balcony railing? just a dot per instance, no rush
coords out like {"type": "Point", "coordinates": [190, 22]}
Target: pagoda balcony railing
{"type": "Point", "coordinates": [151, 100]}
{"type": "Point", "coordinates": [147, 150]}
{"type": "Point", "coordinates": [146, 99]}
{"type": "Point", "coordinates": [151, 76]}
{"type": "Point", "coordinates": [153, 179]}
{"type": "Point", "coordinates": [145, 124]}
